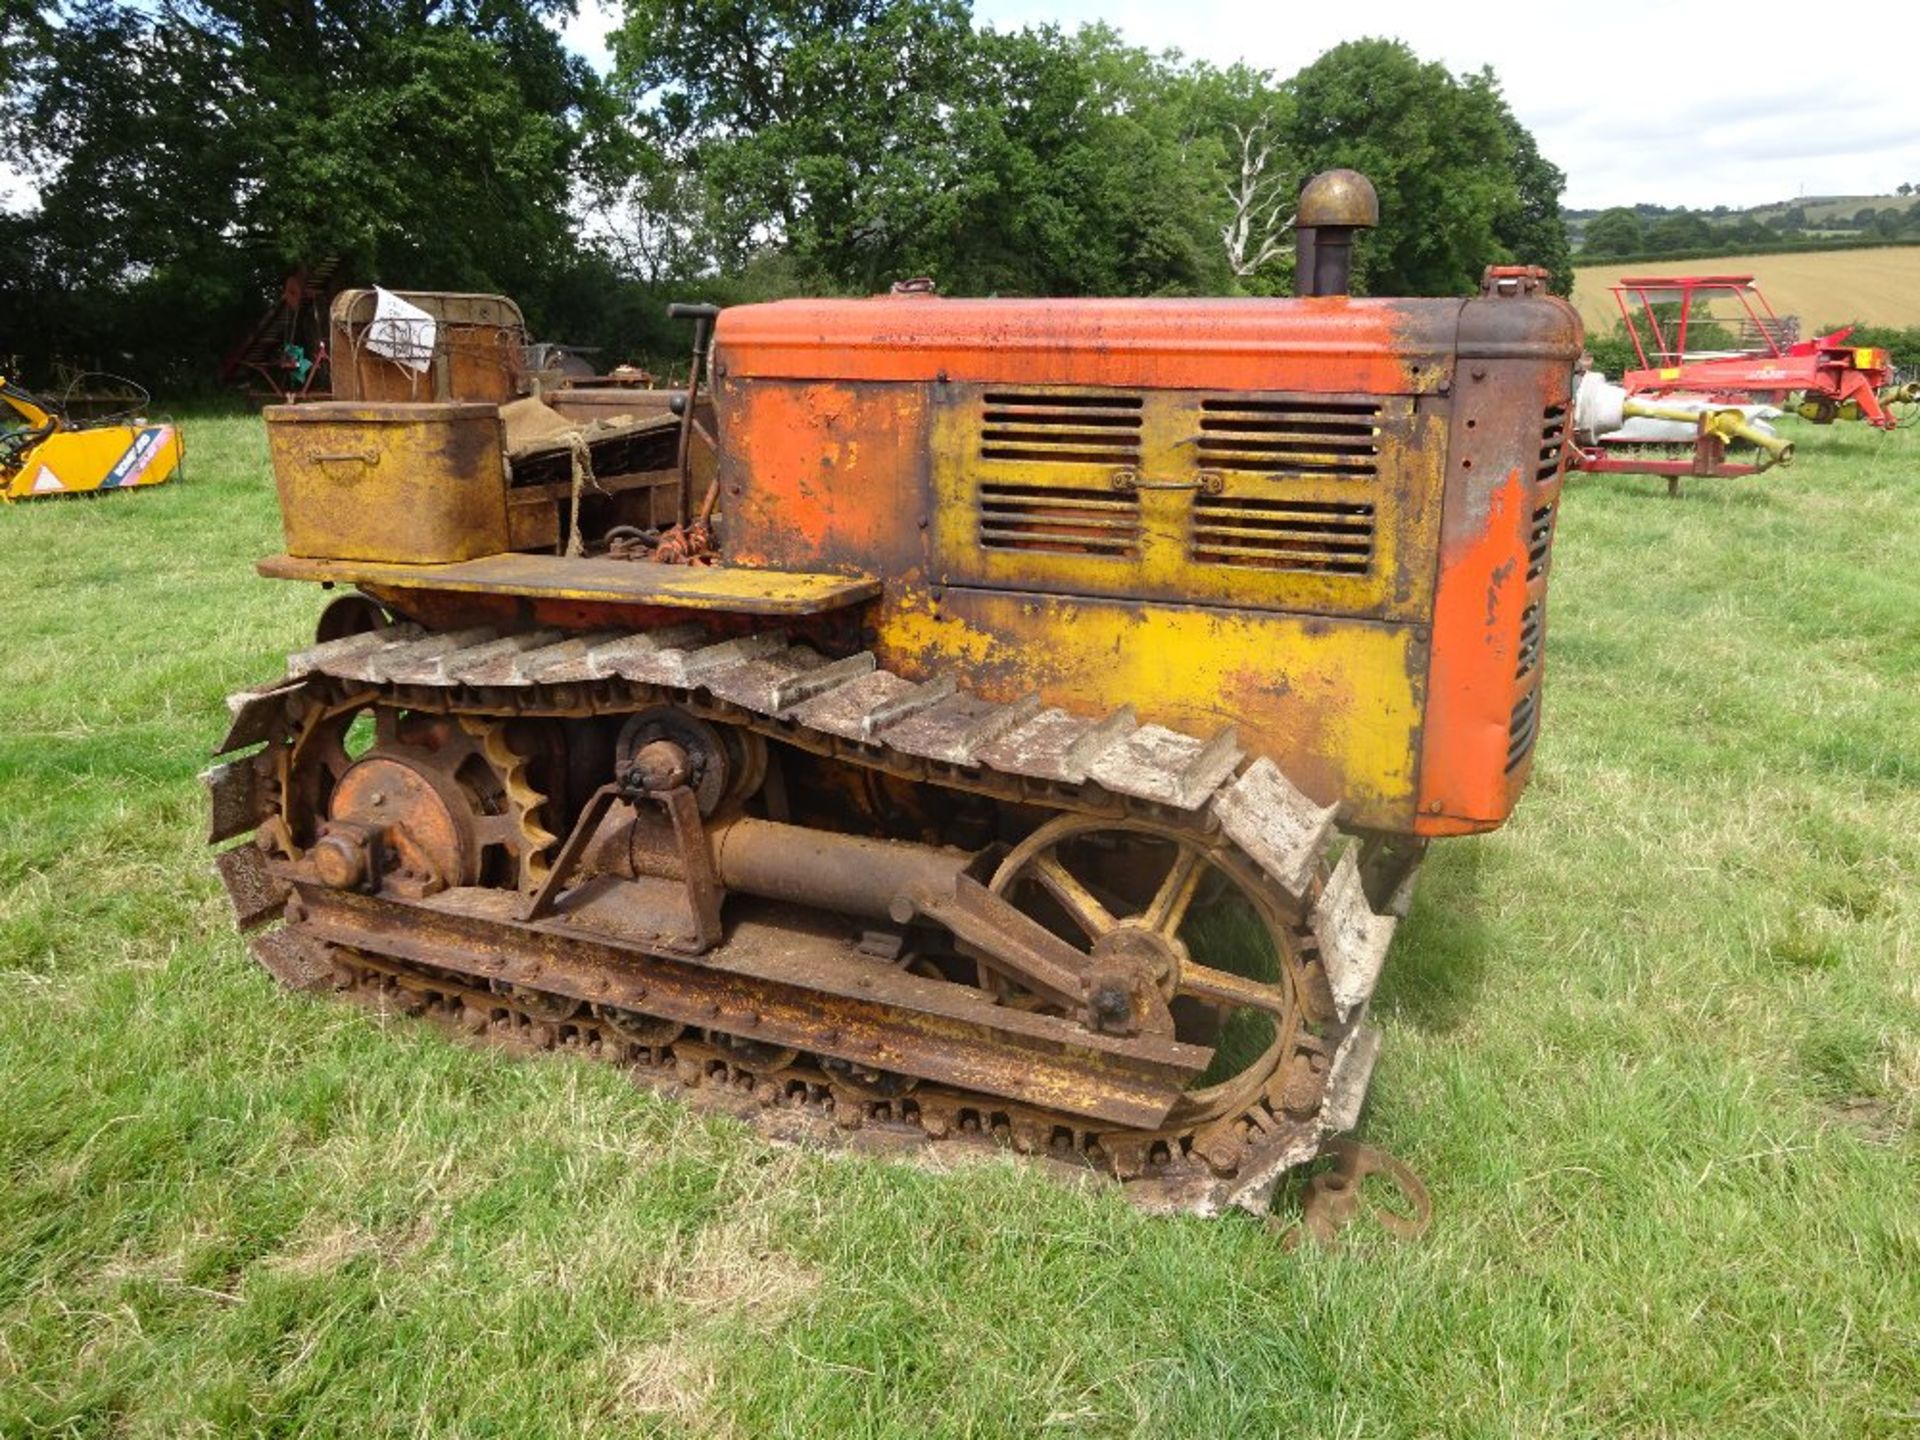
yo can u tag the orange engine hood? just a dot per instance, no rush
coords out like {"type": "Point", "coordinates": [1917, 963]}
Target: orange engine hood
{"type": "Point", "coordinates": [1239, 344]}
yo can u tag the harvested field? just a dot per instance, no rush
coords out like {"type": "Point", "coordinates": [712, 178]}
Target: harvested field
{"type": "Point", "coordinates": [1824, 288]}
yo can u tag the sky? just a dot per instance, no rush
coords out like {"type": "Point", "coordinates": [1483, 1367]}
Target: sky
{"type": "Point", "coordinates": [1675, 103]}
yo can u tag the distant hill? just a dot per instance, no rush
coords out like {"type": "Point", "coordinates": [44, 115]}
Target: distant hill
{"type": "Point", "coordinates": [1816, 206]}
{"type": "Point", "coordinates": [1808, 217]}
{"type": "Point", "coordinates": [1825, 289]}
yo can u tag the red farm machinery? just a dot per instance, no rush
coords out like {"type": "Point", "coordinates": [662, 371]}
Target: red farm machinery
{"type": "Point", "coordinates": [1715, 337]}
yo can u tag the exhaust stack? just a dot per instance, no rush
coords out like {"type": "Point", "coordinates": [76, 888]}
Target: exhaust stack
{"type": "Point", "coordinates": [1333, 204]}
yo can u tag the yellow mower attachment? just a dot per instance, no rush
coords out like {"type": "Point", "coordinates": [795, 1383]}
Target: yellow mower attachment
{"type": "Point", "coordinates": [48, 454]}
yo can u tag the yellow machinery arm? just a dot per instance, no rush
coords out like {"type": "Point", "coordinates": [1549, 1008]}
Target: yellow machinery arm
{"type": "Point", "coordinates": [37, 416]}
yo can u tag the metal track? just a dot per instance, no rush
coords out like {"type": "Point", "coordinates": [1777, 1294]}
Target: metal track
{"type": "Point", "coordinates": [931, 732]}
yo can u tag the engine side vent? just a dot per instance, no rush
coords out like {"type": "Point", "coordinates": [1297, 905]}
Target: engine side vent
{"type": "Point", "coordinates": [1522, 727]}
{"type": "Point", "coordinates": [1262, 534]}
{"type": "Point", "coordinates": [1553, 441]}
{"type": "Point", "coordinates": [1291, 435]}
{"type": "Point", "coordinates": [1529, 642]}
{"type": "Point", "coordinates": [1061, 429]}
{"type": "Point", "coordinates": [1539, 541]}
{"type": "Point", "coordinates": [1060, 521]}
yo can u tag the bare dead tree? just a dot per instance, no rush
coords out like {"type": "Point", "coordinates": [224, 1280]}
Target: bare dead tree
{"type": "Point", "coordinates": [1253, 236]}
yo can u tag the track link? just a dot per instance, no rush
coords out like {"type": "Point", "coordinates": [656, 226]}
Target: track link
{"type": "Point", "coordinates": [930, 732]}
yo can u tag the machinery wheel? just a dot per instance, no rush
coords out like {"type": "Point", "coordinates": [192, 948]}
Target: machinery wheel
{"type": "Point", "coordinates": [1223, 957]}
{"type": "Point", "coordinates": [540, 1004]}
{"type": "Point", "coordinates": [638, 1029]}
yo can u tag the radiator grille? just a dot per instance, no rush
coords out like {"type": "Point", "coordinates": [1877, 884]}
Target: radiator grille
{"type": "Point", "coordinates": [1539, 541]}
{"type": "Point", "coordinates": [1061, 429]}
{"type": "Point", "coordinates": [1059, 521]}
{"type": "Point", "coordinates": [1523, 725]}
{"type": "Point", "coordinates": [1553, 437]}
{"type": "Point", "coordinates": [1529, 642]}
{"type": "Point", "coordinates": [1291, 435]}
{"type": "Point", "coordinates": [1261, 534]}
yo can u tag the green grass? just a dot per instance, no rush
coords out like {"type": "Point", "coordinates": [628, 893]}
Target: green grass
{"type": "Point", "coordinates": [1655, 1047]}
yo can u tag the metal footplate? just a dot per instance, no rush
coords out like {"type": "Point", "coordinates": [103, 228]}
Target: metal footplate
{"type": "Point", "coordinates": [851, 707]}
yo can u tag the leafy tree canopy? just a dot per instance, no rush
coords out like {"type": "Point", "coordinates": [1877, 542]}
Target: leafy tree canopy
{"type": "Point", "coordinates": [1615, 232]}
{"type": "Point", "coordinates": [188, 153]}
{"type": "Point", "coordinates": [1457, 189]}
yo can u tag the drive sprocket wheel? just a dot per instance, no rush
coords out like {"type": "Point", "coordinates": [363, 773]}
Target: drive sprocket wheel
{"type": "Point", "coordinates": [466, 778]}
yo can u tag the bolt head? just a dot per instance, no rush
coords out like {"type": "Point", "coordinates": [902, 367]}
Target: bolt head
{"type": "Point", "coordinates": [1111, 1005]}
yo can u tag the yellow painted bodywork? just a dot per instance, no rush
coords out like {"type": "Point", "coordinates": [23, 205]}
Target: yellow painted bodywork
{"type": "Point", "coordinates": [100, 458]}
{"type": "Point", "coordinates": [594, 582]}
{"type": "Point", "coordinates": [1342, 697]}
{"type": "Point", "coordinates": [409, 483]}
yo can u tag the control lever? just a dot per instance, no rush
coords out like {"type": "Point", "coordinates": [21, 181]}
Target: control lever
{"type": "Point", "coordinates": [703, 317]}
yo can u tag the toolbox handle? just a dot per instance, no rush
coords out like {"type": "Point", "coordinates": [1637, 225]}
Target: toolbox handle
{"type": "Point", "coordinates": [369, 457]}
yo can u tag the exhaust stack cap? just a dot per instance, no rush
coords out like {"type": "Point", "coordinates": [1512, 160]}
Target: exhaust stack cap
{"type": "Point", "coordinates": [1333, 205]}
{"type": "Point", "coordinates": [1339, 197]}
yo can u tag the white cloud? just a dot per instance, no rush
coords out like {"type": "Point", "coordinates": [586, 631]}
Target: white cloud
{"type": "Point", "coordinates": [1673, 103]}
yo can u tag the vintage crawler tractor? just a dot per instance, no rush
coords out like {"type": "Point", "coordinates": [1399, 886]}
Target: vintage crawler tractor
{"type": "Point", "coordinates": [1042, 758]}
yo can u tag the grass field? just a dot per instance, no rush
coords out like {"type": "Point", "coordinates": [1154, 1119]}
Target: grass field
{"type": "Point", "coordinates": [1655, 1047]}
{"type": "Point", "coordinates": [1824, 288]}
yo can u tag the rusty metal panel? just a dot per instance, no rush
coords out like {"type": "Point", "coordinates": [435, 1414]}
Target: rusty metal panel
{"type": "Point", "coordinates": [827, 477]}
{"type": "Point", "coordinates": [240, 794]}
{"type": "Point", "coordinates": [619, 582]}
{"type": "Point", "coordinates": [297, 961]}
{"type": "Point", "coordinates": [533, 523]}
{"type": "Point", "coordinates": [258, 715]}
{"type": "Point", "coordinates": [619, 402]}
{"type": "Point", "coordinates": [413, 484]}
{"type": "Point", "coordinates": [1301, 501]}
{"type": "Point", "coordinates": [780, 985]}
{"type": "Point", "coordinates": [1507, 463]}
{"type": "Point", "coordinates": [1369, 345]}
{"type": "Point", "coordinates": [479, 352]}
{"type": "Point", "coordinates": [256, 893]}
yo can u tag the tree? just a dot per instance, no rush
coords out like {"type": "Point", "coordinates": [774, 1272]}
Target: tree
{"type": "Point", "coordinates": [873, 139]}
{"type": "Point", "coordinates": [1258, 195]}
{"type": "Point", "coordinates": [1679, 231]}
{"type": "Point", "coordinates": [1615, 232]}
{"type": "Point", "coordinates": [805, 121]}
{"type": "Point", "coordinates": [22, 24]}
{"type": "Point", "coordinates": [1087, 171]}
{"type": "Point", "coordinates": [189, 154]}
{"type": "Point", "coordinates": [1437, 150]}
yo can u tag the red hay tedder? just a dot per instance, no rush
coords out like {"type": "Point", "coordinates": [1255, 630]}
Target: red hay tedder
{"type": "Point", "coordinates": [1716, 337]}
